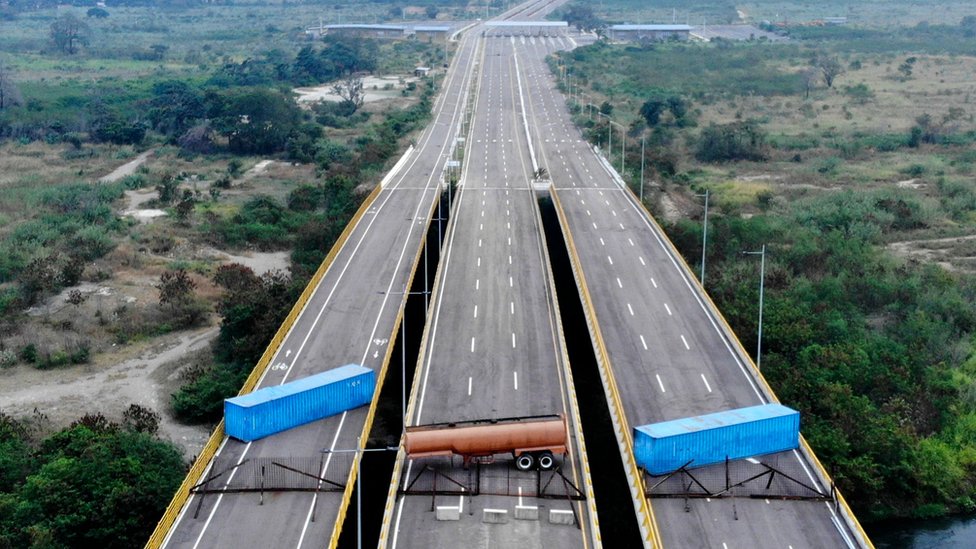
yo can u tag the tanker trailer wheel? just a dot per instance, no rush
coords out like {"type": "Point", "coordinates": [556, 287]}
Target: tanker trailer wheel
{"type": "Point", "coordinates": [524, 462]}
{"type": "Point", "coordinates": [546, 461]}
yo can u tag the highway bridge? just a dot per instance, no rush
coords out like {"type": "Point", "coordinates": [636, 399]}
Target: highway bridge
{"type": "Point", "coordinates": [350, 314]}
{"type": "Point", "coordinates": [664, 350]}
{"type": "Point", "coordinates": [493, 345]}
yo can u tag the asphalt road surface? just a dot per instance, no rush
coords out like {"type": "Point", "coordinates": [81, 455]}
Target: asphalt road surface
{"type": "Point", "coordinates": [493, 345]}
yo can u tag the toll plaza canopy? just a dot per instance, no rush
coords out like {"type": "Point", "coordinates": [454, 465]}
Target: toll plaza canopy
{"type": "Point", "coordinates": [554, 24]}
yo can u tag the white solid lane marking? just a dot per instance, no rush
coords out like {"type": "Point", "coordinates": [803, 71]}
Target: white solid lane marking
{"type": "Point", "coordinates": [644, 343]}
{"type": "Point", "coordinates": [642, 261]}
{"type": "Point", "coordinates": [707, 386]}
{"type": "Point", "coordinates": [472, 344]}
{"type": "Point", "coordinates": [515, 375]}
{"type": "Point", "coordinates": [660, 383]}
{"type": "Point", "coordinates": [668, 309]}
{"type": "Point", "coordinates": [469, 385]}
{"type": "Point", "coordinates": [631, 309]}
{"type": "Point", "coordinates": [685, 341]}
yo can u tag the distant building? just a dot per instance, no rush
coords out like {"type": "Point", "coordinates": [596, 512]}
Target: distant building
{"type": "Point", "coordinates": [366, 31]}
{"type": "Point", "coordinates": [421, 71]}
{"type": "Point", "coordinates": [637, 33]}
{"type": "Point", "coordinates": [429, 33]}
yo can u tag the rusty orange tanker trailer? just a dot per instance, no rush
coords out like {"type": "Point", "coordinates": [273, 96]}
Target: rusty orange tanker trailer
{"type": "Point", "coordinates": [532, 440]}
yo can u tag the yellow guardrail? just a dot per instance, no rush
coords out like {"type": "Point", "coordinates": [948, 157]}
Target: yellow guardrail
{"type": "Point", "coordinates": [649, 528]}
{"type": "Point", "coordinates": [370, 416]}
{"type": "Point", "coordinates": [401, 457]}
{"type": "Point", "coordinates": [210, 448]}
{"type": "Point", "coordinates": [854, 524]}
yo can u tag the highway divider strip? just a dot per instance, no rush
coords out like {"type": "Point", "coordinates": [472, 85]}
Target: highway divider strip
{"type": "Point", "coordinates": [648, 523]}
{"type": "Point", "coordinates": [210, 448]}
{"type": "Point", "coordinates": [401, 457]}
{"type": "Point", "coordinates": [571, 388]}
{"type": "Point", "coordinates": [396, 168]}
{"type": "Point", "coordinates": [849, 518]}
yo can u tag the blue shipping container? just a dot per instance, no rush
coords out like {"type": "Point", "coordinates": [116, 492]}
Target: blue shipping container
{"type": "Point", "coordinates": [661, 448]}
{"type": "Point", "coordinates": [274, 409]}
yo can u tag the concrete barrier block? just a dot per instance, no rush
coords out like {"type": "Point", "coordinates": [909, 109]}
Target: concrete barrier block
{"type": "Point", "coordinates": [558, 516]}
{"type": "Point", "coordinates": [448, 513]}
{"type": "Point", "coordinates": [526, 512]}
{"type": "Point", "coordinates": [494, 516]}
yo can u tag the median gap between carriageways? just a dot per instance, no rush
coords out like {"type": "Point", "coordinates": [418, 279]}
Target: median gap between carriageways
{"type": "Point", "coordinates": [377, 467]}
{"type": "Point", "coordinates": [618, 523]}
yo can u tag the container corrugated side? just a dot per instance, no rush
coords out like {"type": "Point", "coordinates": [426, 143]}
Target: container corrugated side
{"type": "Point", "coordinates": [661, 448]}
{"type": "Point", "coordinates": [271, 410]}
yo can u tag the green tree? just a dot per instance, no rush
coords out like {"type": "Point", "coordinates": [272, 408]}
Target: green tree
{"type": "Point", "coordinates": [255, 121]}
{"type": "Point", "coordinates": [829, 66]}
{"type": "Point", "coordinates": [582, 17]}
{"type": "Point", "coordinates": [9, 92]}
{"type": "Point", "coordinates": [175, 107]}
{"type": "Point", "coordinates": [732, 142]}
{"type": "Point", "coordinates": [68, 33]}
{"type": "Point", "coordinates": [99, 486]}
{"type": "Point", "coordinates": [651, 110]}
{"type": "Point", "coordinates": [177, 293]}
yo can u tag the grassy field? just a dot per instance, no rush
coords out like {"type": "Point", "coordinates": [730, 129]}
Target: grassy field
{"type": "Point", "coordinates": [870, 13]}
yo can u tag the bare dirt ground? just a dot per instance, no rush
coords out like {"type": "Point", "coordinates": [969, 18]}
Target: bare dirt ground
{"type": "Point", "coordinates": [144, 374]}
{"type": "Point", "coordinates": [957, 253]}
{"type": "Point", "coordinates": [144, 370]}
{"type": "Point", "coordinates": [376, 88]}
{"type": "Point", "coordinates": [126, 169]}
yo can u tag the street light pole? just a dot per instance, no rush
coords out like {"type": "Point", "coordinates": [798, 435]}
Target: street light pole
{"type": "Point", "coordinates": [704, 239]}
{"type": "Point", "coordinates": [642, 171]}
{"type": "Point", "coordinates": [623, 149]}
{"type": "Point", "coordinates": [762, 283]}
